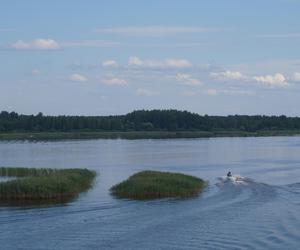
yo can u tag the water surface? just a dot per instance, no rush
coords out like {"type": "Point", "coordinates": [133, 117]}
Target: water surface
{"type": "Point", "coordinates": [262, 213]}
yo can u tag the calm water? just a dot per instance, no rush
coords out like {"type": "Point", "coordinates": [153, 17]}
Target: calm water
{"type": "Point", "coordinates": [263, 213]}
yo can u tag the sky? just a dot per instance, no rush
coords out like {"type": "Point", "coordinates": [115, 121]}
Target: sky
{"type": "Point", "coordinates": [96, 57]}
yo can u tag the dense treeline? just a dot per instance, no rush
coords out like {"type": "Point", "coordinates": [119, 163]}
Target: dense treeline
{"type": "Point", "coordinates": [154, 120]}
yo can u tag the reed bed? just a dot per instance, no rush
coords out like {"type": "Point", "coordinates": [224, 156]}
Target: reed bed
{"type": "Point", "coordinates": [135, 135]}
{"type": "Point", "coordinates": [43, 183]}
{"type": "Point", "coordinates": [153, 185]}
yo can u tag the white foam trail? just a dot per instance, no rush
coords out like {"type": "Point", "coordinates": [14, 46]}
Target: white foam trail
{"type": "Point", "coordinates": [234, 179]}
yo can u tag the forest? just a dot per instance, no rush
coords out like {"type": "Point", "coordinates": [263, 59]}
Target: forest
{"type": "Point", "coordinates": [145, 120]}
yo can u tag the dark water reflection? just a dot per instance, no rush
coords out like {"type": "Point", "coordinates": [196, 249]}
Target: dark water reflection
{"type": "Point", "coordinates": [262, 213]}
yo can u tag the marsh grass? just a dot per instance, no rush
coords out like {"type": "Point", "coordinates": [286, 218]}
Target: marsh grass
{"type": "Point", "coordinates": [135, 135]}
{"type": "Point", "coordinates": [153, 185]}
{"type": "Point", "coordinates": [44, 184]}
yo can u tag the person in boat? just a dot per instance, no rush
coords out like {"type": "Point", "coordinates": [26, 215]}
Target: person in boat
{"type": "Point", "coordinates": [229, 174]}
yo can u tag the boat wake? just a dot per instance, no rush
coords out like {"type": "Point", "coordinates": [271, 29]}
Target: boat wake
{"type": "Point", "coordinates": [234, 179]}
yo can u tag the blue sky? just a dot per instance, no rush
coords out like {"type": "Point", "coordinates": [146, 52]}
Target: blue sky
{"type": "Point", "coordinates": [111, 57]}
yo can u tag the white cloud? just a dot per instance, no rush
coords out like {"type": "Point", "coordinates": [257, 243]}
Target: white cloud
{"type": "Point", "coordinates": [228, 75]}
{"type": "Point", "coordinates": [187, 79]}
{"type": "Point", "coordinates": [167, 63]}
{"type": "Point", "coordinates": [211, 92]}
{"type": "Point", "coordinates": [177, 63]}
{"type": "Point", "coordinates": [77, 78]}
{"type": "Point", "coordinates": [135, 61]}
{"type": "Point", "coordinates": [35, 72]}
{"type": "Point", "coordinates": [296, 77]}
{"type": "Point", "coordinates": [114, 81]}
{"type": "Point", "coordinates": [154, 30]}
{"type": "Point", "coordinates": [258, 68]}
{"type": "Point", "coordinates": [277, 80]}
{"type": "Point", "coordinates": [146, 92]}
{"type": "Point", "coordinates": [50, 44]}
{"type": "Point", "coordinates": [232, 92]}
{"type": "Point", "coordinates": [38, 44]}
{"type": "Point", "coordinates": [110, 63]}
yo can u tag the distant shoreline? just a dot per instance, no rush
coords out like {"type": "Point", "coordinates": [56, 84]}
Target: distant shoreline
{"type": "Point", "coordinates": [135, 135]}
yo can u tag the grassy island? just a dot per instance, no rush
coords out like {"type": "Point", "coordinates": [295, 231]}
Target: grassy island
{"type": "Point", "coordinates": [32, 184]}
{"type": "Point", "coordinates": [153, 184]}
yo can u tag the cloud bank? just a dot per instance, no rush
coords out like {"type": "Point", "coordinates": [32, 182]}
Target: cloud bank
{"type": "Point", "coordinates": [110, 63]}
{"type": "Point", "coordinates": [114, 81]}
{"type": "Point", "coordinates": [277, 80]}
{"type": "Point", "coordinates": [232, 75]}
{"type": "Point", "coordinates": [296, 77]}
{"type": "Point", "coordinates": [187, 79]}
{"type": "Point", "coordinates": [154, 30]}
{"type": "Point", "coordinates": [37, 44]}
{"type": "Point", "coordinates": [77, 78]}
{"type": "Point", "coordinates": [167, 63]}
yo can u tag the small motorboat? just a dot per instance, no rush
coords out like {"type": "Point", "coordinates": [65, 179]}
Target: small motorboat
{"type": "Point", "coordinates": [232, 179]}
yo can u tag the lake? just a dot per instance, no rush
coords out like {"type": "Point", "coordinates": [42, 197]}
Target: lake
{"type": "Point", "coordinates": [262, 213]}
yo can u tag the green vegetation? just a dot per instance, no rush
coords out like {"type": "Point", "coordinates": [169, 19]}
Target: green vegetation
{"type": "Point", "coordinates": [133, 135]}
{"type": "Point", "coordinates": [154, 184]}
{"type": "Point", "coordinates": [43, 184]}
{"type": "Point", "coordinates": [143, 125]}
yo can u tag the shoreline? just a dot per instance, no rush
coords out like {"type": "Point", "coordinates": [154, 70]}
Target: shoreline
{"type": "Point", "coordinates": [136, 135]}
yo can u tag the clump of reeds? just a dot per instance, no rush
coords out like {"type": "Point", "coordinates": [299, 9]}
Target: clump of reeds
{"type": "Point", "coordinates": [154, 184]}
{"type": "Point", "coordinates": [44, 183]}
